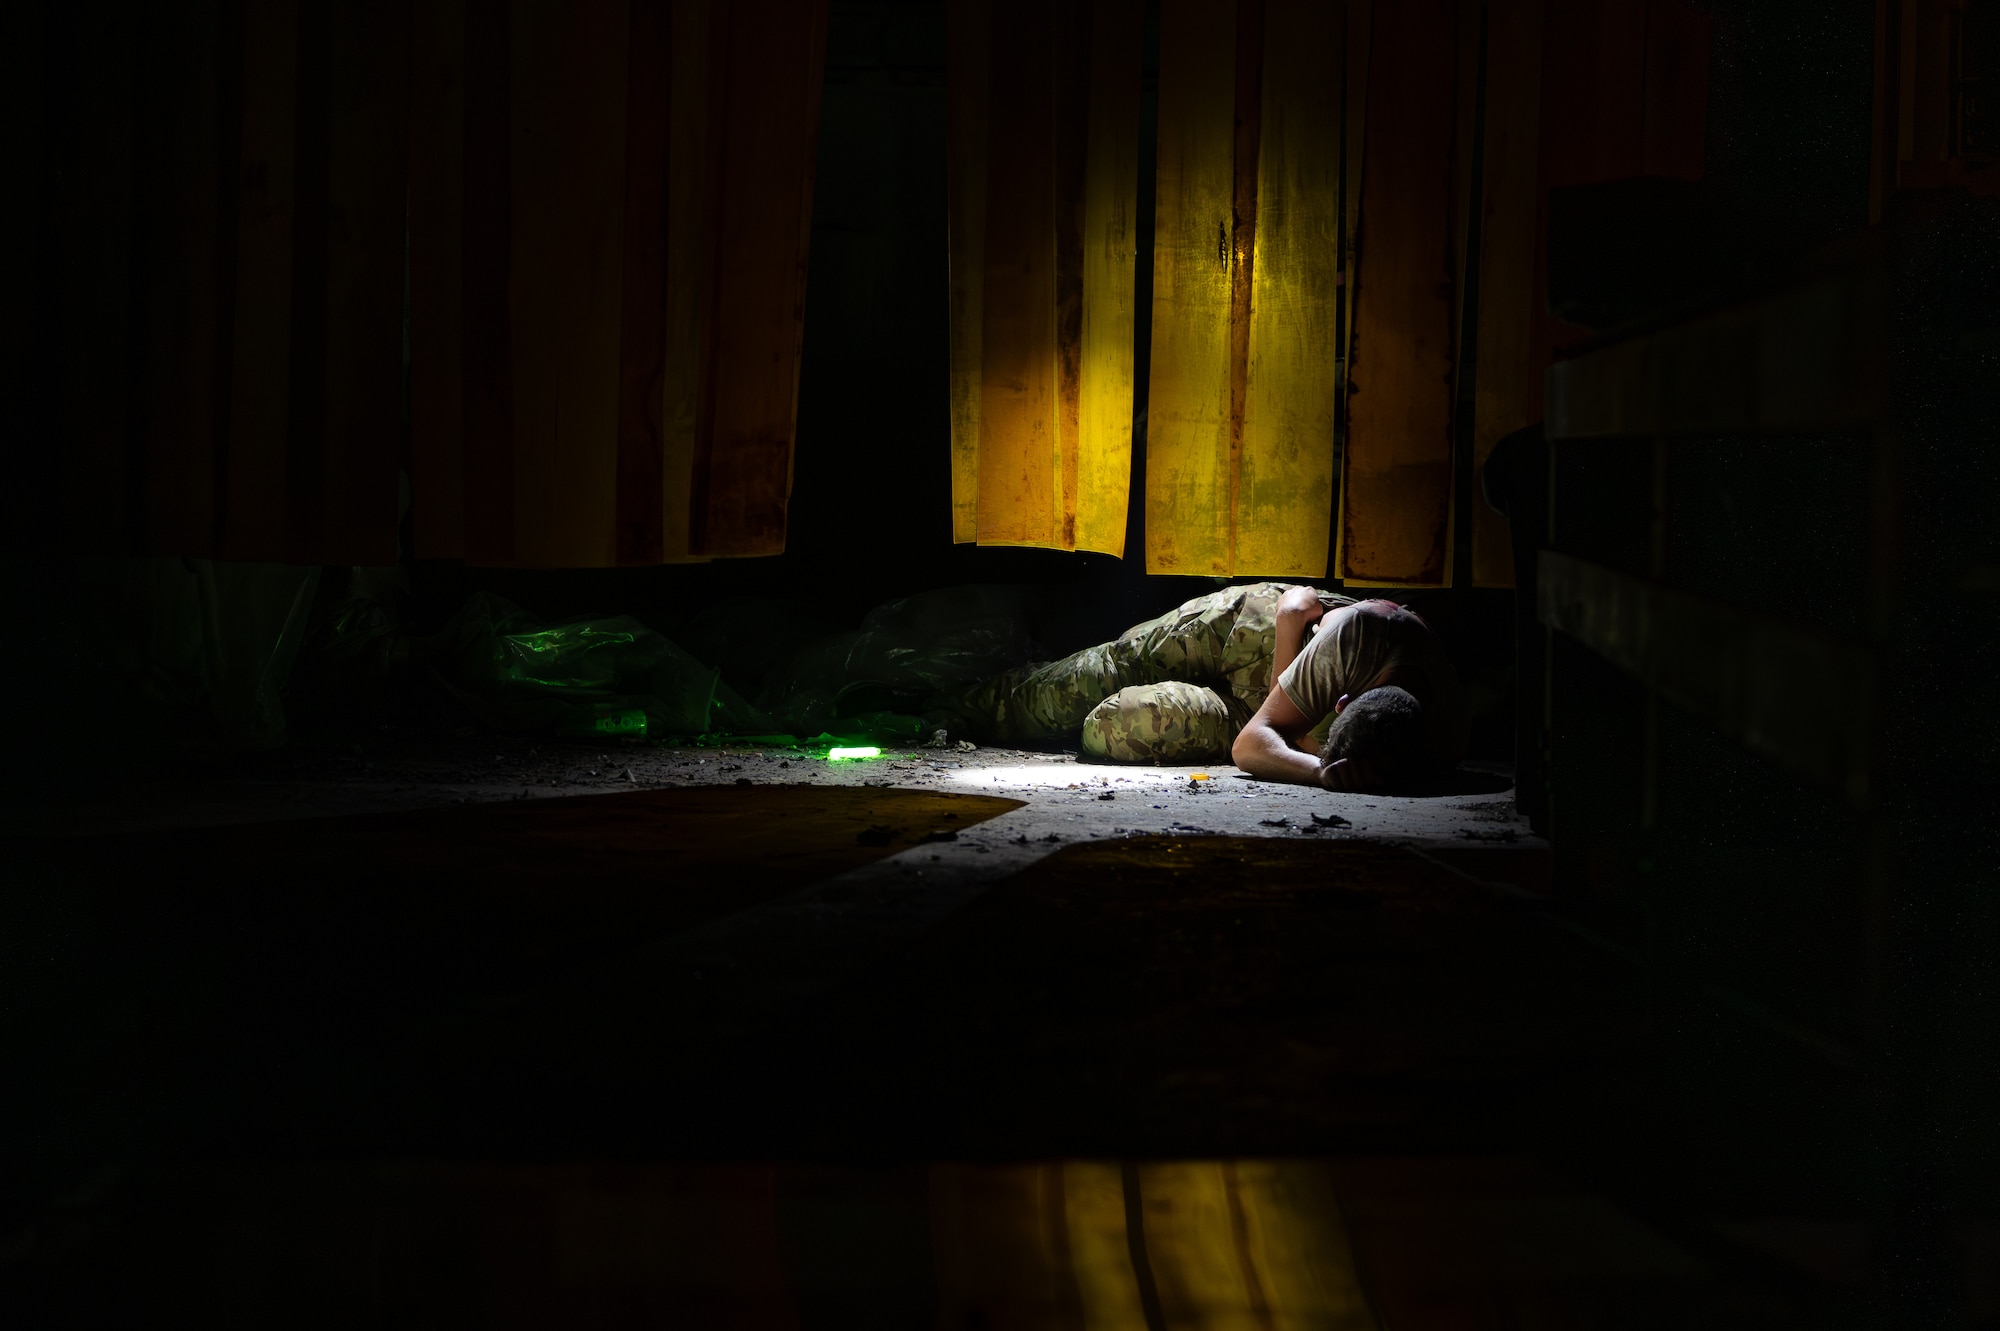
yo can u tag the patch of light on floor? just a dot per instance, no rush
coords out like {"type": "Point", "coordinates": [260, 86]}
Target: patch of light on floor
{"type": "Point", "coordinates": [1068, 775]}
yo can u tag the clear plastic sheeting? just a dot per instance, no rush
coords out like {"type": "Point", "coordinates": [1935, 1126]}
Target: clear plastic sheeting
{"type": "Point", "coordinates": [617, 677]}
{"type": "Point", "coordinates": [152, 655]}
{"type": "Point", "coordinates": [877, 678]}
{"type": "Point", "coordinates": [594, 677]}
{"type": "Point", "coordinates": [748, 638]}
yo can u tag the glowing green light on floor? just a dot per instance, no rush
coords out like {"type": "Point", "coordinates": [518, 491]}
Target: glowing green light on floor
{"type": "Point", "coordinates": [833, 754]}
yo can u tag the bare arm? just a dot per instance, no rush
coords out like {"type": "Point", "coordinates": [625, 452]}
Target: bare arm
{"type": "Point", "coordinates": [1298, 610]}
{"type": "Point", "coordinates": [1267, 745]}
{"type": "Point", "coordinates": [1267, 748]}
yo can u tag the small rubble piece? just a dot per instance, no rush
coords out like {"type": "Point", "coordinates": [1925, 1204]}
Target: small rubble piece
{"type": "Point", "coordinates": [626, 775]}
{"type": "Point", "coordinates": [876, 836]}
{"type": "Point", "coordinates": [1109, 795]}
{"type": "Point", "coordinates": [742, 780]}
{"type": "Point", "coordinates": [1274, 822]}
{"type": "Point", "coordinates": [966, 746]}
{"type": "Point", "coordinates": [940, 834]}
{"type": "Point", "coordinates": [938, 740]}
{"type": "Point", "coordinates": [1330, 820]}
{"type": "Point", "coordinates": [1477, 834]}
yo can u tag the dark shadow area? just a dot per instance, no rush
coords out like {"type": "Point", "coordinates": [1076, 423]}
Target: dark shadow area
{"type": "Point", "coordinates": [1412, 1094]}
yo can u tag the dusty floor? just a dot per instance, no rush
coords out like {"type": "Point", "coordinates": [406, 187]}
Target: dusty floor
{"type": "Point", "coordinates": [1066, 796]}
{"type": "Point", "coordinates": [880, 905]}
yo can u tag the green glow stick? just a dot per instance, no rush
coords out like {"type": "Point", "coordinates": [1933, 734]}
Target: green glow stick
{"type": "Point", "coordinates": [832, 754]}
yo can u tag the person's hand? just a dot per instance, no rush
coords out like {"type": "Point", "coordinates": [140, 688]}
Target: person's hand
{"type": "Point", "coordinates": [1301, 606]}
{"type": "Point", "coordinates": [1349, 774]}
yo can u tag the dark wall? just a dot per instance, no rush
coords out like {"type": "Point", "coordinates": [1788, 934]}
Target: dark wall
{"type": "Point", "coordinates": [1790, 87]}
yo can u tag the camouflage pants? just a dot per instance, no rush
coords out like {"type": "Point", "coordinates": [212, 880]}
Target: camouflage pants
{"type": "Point", "coordinates": [1173, 689]}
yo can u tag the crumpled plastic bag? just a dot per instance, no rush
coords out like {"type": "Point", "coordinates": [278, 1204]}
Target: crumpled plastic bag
{"type": "Point", "coordinates": [905, 653]}
{"type": "Point", "coordinates": [610, 676]}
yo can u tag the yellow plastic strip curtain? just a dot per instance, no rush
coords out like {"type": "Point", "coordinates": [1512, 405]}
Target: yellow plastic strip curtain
{"type": "Point", "coordinates": [1396, 490]}
{"type": "Point", "coordinates": [1285, 479]}
{"type": "Point", "coordinates": [1043, 179]}
{"type": "Point", "coordinates": [1246, 274]}
{"type": "Point", "coordinates": [608, 219]}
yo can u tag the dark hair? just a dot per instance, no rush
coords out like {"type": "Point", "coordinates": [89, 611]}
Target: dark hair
{"type": "Point", "coordinates": [1385, 728]}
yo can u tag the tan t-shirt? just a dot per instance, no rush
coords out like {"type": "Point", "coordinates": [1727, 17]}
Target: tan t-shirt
{"type": "Point", "coordinates": [1358, 645]}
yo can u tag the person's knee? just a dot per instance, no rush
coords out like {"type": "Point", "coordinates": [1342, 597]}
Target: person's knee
{"type": "Point", "coordinates": [1171, 722]}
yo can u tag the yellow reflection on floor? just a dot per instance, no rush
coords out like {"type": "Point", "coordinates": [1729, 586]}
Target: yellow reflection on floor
{"type": "Point", "coordinates": [1077, 1245]}
{"type": "Point", "coordinates": [1217, 1244]}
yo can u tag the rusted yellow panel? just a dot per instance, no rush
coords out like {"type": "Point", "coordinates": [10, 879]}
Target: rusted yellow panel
{"type": "Point", "coordinates": [1043, 182]}
{"type": "Point", "coordinates": [1110, 247]}
{"type": "Point", "coordinates": [568, 227]}
{"type": "Point", "coordinates": [1285, 488]}
{"type": "Point", "coordinates": [1360, 24]}
{"type": "Point", "coordinates": [968, 24]}
{"type": "Point", "coordinates": [691, 199]}
{"type": "Point", "coordinates": [1396, 486]}
{"type": "Point", "coordinates": [1188, 473]}
{"type": "Point", "coordinates": [1019, 442]}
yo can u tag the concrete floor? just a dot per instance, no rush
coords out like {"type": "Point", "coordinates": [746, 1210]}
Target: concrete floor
{"type": "Point", "coordinates": [777, 950]}
{"type": "Point", "coordinates": [1066, 797]}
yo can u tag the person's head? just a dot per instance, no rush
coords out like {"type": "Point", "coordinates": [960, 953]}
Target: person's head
{"type": "Point", "coordinates": [1385, 729]}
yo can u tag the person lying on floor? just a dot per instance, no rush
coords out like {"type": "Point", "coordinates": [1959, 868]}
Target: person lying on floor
{"type": "Point", "coordinates": [1196, 685]}
{"type": "Point", "coordinates": [1398, 712]}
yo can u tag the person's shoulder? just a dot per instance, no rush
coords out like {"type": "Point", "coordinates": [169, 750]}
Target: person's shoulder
{"type": "Point", "coordinates": [1314, 653]}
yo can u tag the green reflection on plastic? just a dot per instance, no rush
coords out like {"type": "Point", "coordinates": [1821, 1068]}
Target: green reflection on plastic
{"type": "Point", "coordinates": [631, 721]}
{"type": "Point", "coordinates": [550, 650]}
{"type": "Point", "coordinates": [833, 755]}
